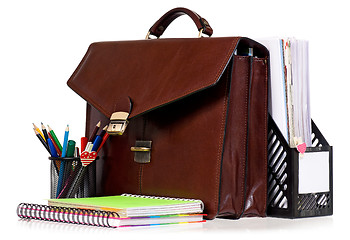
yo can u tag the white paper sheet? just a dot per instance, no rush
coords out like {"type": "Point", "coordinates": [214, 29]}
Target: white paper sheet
{"type": "Point", "coordinates": [314, 172]}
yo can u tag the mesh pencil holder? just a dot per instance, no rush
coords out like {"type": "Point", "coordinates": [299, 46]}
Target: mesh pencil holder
{"type": "Point", "coordinates": [71, 168]}
{"type": "Point", "coordinates": [299, 185]}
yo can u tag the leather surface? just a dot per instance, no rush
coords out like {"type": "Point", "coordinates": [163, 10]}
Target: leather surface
{"type": "Point", "coordinates": [169, 68]}
{"type": "Point", "coordinates": [244, 166]}
{"type": "Point", "coordinates": [204, 111]}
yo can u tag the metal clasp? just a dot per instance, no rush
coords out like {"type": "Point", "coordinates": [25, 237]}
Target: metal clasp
{"type": "Point", "coordinates": [142, 151]}
{"type": "Point", "coordinates": [118, 123]}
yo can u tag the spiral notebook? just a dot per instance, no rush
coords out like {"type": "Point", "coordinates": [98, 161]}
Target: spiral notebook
{"type": "Point", "coordinates": [99, 218]}
{"type": "Point", "coordinates": [127, 205]}
{"type": "Point", "coordinates": [116, 211]}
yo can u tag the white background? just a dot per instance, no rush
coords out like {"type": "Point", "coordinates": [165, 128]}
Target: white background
{"type": "Point", "coordinates": [42, 42]}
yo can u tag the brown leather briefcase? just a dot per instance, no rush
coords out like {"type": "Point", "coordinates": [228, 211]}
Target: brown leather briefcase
{"type": "Point", "coordinates": [188, 117]}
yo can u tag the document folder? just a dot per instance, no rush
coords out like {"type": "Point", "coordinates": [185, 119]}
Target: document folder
{"type": "Point", "coordinates": [299, 185]}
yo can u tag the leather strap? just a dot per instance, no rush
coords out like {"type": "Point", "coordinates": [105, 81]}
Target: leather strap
{"type": "Point", "coordinates": [159, 27]}
{"type": "Point", "coordinates": [123, 104]}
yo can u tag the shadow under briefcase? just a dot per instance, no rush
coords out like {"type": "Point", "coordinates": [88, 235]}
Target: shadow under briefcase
{"type": "Point", "coordinates": [189, 117]}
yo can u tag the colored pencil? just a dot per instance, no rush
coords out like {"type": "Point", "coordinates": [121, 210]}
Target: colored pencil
{"type": "Point", "coordinates": [94, 132]}
{"type": "Point", "coordinates": [65, 142]}
{"type": "Point", "coordinates": [96, 143]}
{"type": "Point", "coordinates": [42, 140]}
{"type": "Point", "coordinates": [52, 148]}
{"type": "Point", "coordinates": [62, 165]}
{"type": "Point", "coordinates": [37, 129]}
{"type": "Point", "coordinates": [55, 138]}
{"type": "Point", "coordinates": [105, 137]}
{"type": "Point", "coordinates": [59, 152]}
{"type": "Point", "coordinates": [43, 128]}
{"type": "Point", "coordinates": [102, 133]}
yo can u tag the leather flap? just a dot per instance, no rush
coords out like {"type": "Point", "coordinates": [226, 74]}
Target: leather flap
{"type": "Point", "coordinates": [152, 73]}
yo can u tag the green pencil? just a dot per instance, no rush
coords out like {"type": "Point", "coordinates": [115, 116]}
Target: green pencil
{"type": "Point", "coordinates": [55, 138]}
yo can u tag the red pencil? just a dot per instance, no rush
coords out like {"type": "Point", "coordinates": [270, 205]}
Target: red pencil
{"type": "Point", "coordinates": [59, 152]}
{"type": "Point", "coordinates": [105, 137]}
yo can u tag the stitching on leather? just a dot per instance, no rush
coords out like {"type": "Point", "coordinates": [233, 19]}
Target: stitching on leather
{"type": "Point", "coordinates": [265, 131]}
{"type": "Point", "coordinates": [140, 178]}
{"type": "Point", "coordinates": [245, 140]}
{"type": "Point", "coordinates": [221, 142]}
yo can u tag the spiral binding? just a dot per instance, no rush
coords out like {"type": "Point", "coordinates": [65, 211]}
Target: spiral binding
{"type": "Point", "coordinates": [66, 215]}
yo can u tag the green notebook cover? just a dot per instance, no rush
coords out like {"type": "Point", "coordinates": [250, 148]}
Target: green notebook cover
{"type": "Point", "coordinates": [127, 205]}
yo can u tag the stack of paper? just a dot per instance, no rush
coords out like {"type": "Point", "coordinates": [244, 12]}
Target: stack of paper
{"type": "Point", "coordinates": [289, 103]}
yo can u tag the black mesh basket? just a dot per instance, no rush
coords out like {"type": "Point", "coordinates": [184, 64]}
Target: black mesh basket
{"type": "Point", "coordinates": [284, 197]}
{"type": "Point", "coordinates": [72, 167]}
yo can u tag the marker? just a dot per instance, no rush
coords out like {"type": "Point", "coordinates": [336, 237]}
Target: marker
{"type": "Point", "coordinates": [83, 141]}
{"type": "Point", "coordinates": [70, 148]}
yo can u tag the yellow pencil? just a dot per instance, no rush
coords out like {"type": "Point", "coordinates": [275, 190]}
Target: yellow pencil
{"type": "Point", "coordinates": [37, 129]}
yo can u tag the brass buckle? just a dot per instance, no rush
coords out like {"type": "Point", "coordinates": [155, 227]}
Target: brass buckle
{"type": "Point", "coordinates": [140, 149]}
{"type": "Point", "coordinates": [118, 123]}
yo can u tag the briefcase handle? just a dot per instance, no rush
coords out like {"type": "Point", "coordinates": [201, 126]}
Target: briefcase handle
{"type": "Point", "coordinates": [159, 27]}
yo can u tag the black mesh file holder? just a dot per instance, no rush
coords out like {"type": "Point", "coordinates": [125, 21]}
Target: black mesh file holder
{"type": "Point", "coordinates": [72, 166]}
{"type": "Point", "coordinates": [284, 199]}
